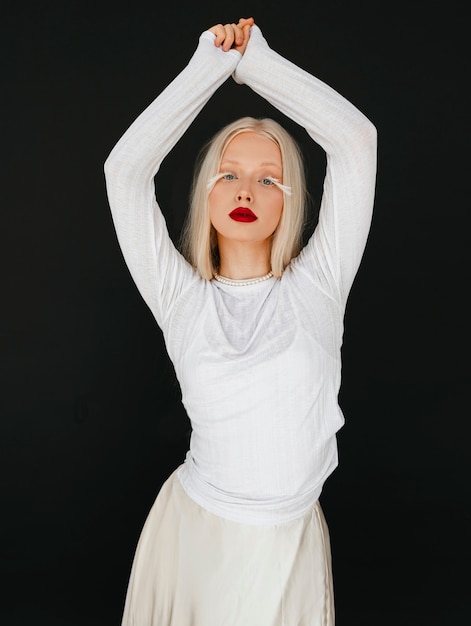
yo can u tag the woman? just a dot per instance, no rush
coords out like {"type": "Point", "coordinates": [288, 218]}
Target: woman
{"type": "Point", "coordinates": [253, 326]}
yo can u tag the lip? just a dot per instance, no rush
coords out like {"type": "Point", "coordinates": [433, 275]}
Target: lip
{"type": "Point", "coordinates": [242, 214]}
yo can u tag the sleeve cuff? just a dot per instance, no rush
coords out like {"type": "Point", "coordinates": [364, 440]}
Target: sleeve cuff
{"type": "Point", "coordinates": [208, 36]}
{"type": "Point", "coordinates": [256, 41]}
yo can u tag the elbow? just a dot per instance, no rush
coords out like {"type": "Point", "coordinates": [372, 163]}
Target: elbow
{"type": "Point", "coordinates": [365, 139]}
{"type": "Point", "coordinates": [368, 133]}
{"type": "Point", "coordinates": [114, 168]}
{"type": "Point", "coordinates": [373, 134]}
{"type": "Point", "coordinates": [110, 165]}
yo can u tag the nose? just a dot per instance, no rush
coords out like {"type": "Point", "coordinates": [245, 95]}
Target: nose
{"type": "Point", "coordinates": [244, 193]}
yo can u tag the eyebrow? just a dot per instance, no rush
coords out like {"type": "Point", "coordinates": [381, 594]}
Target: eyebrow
{"type": "Point", "coordinates": [264, 164]}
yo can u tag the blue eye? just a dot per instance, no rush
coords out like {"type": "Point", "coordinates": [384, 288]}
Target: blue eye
{"type": "Point", "coordinates": [267, 181]}
{"type": "Point", "coordinates": [228, 177]}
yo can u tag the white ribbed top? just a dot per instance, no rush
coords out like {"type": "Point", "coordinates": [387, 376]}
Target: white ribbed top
{"type": "Point", "coordinates": [259, 365]}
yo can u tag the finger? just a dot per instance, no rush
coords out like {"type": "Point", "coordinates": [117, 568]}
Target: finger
{"type": "Point", "coordinates": [220, 33]}
{"type": "Point", "coordinates": [239, 35]}
{"type": "Point", "coordinates": [231, 35]}
{"type": "Point", "coordinates": [246, 32]}
{"type": "Point", "coordinates": [246, 20]}
{"type": "Point", "coordinates": [229, 30]}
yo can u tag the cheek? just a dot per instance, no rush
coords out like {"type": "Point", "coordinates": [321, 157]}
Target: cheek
{"type": "Point", "coordinates": [277, 210]}
{"type": "Point", "coordinates": [214, 199]}
{"type": "Point", "coordinates": [217, 213]}
{"type": "Point", "coordinates": [212, 210]}
{"type": "Point", "coordinates": [211, 203]}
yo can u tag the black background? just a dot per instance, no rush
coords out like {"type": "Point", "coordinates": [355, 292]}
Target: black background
{"type": "Point", "coordinates": [91, 421]}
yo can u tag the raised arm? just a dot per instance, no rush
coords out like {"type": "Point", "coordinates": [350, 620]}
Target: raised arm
{"type": "Point", "coordinates": [334, 252]}
{"type": "Point", "coordinates": [156, 267]}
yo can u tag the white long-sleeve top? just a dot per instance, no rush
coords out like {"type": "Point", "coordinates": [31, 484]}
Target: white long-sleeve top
{"type": "Point", "coordinates": [259, 366]}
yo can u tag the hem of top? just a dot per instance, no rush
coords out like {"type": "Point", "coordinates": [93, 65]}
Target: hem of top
{"type": "Point", "coordinates": [244, 521]}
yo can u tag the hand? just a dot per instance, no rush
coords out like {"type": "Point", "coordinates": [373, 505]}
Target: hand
{"type": "Point", "coordinates": [235, 36]}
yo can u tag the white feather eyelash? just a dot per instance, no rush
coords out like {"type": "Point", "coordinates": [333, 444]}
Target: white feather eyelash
{"type": "Point", "coordinates": [214, 179]}
{"type": "Point", "coordinates": [284, 188]}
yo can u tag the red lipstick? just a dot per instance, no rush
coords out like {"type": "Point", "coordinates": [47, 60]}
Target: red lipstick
{"type": "Point", "coordinates": [242, 214]}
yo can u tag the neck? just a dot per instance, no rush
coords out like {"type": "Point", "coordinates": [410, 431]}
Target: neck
{"type": "Point", "coordinates": [242, 260]}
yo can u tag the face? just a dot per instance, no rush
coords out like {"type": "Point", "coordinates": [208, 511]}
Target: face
{"type": "Point", "coordinates": [245, 204]}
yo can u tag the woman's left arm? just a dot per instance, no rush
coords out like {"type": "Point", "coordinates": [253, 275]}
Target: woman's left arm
{"type": "Point", "coordinates": [349, 140]}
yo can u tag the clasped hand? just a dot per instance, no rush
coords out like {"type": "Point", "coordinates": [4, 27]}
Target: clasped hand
{"type": "Point", "coordinates": [233, 36]}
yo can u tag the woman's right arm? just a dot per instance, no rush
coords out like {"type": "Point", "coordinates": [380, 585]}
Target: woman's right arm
{"type": "Point", "coordinates": [159, 271]}
{"type": "Point", "coordinates": [333, 254]}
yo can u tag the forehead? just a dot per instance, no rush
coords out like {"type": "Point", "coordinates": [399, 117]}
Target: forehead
{"type": "Point", "coordinates": [253, 149]}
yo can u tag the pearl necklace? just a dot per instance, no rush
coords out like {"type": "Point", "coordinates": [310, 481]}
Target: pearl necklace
{"type": "Point", "coordinates": [242, 283]}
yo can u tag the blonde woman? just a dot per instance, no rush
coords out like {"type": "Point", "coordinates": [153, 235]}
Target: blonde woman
{"type": "Point", "coordinates": [253, 325]}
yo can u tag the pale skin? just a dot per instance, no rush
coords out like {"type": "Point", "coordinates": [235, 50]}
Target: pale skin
{"type": "Point", "coordinates": [233, 35]}
{"type": "Point", "coordinates": [249, 166]}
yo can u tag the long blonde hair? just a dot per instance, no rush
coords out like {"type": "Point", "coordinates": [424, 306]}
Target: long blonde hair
{"type": "Point", "coordinates": [199, 238]}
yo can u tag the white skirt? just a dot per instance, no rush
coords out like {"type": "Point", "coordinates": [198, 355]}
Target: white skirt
{"type": "Point", "coordinates": [194, 568]}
